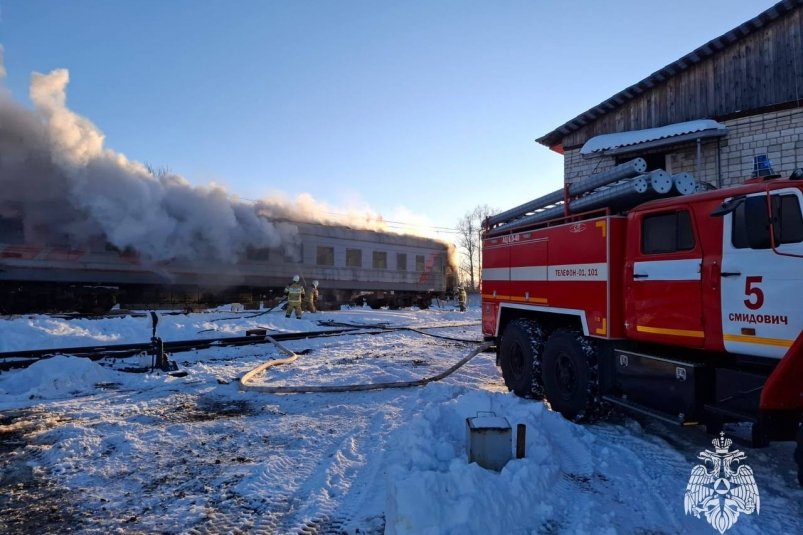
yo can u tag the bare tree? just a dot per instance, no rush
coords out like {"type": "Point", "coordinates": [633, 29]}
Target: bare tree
{"type": "Point", "coordinates": [470, 240]}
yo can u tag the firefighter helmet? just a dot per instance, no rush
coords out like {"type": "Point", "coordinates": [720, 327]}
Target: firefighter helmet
{"type": "Point", "coordinates": [315, 284]}
{"type": "Point", "coordinates": [296, 278]}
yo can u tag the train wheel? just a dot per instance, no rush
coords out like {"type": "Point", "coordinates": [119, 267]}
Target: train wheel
{"type": "Point", "coordinates": [569, 375]}
{"type": "Point", "coordinates": [520, 357]}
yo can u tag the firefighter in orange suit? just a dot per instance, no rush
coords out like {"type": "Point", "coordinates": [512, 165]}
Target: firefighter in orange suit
{"type": "Point", "coordinates": [313, 297]}
{"type": "Point", "coordinates": [295, 295]}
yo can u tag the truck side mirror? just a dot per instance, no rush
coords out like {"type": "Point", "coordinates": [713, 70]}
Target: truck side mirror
{"type": "Point", "coordinates": [728, 206]}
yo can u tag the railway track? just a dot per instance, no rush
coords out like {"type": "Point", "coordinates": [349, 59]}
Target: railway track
{"type": "Point", "coordinates": [24, 358]}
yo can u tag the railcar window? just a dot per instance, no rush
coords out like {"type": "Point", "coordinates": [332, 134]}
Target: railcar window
{"type": "Point", "coordinates": [257, 253]}
{"type": "Point", "coordinates": [294, 255]}
{"type": "Point", "coordinates": [752, 217]}
{"type": "Point", "coordinates": [667, 233]}
{"type": "Point", "coordinates": [11, 231]}
{"type": "Point", "coordinates": [401, 261]}
{"type": "Point", "coordinates": [325, 256]}
{"type": "Point", "coordinates": [354, 258]}
{"type": "Point", "coordinates": [419, 262]}
{"type": "Point", "coordinates": [380, 260]}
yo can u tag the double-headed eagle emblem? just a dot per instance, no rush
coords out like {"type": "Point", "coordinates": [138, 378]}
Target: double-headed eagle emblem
{"type": "Point", "coordinates": [718, 491]}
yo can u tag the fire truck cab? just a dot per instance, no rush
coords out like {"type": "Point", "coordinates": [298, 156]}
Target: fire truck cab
{"type": "Point", "coordinates": [686, 309]}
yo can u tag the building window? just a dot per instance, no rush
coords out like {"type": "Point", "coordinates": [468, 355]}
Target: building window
{"type": "Point", "coordinates": [667, 233]}
{"type": "Point", "coordinates": [750, 225]}
{"type": "Point", "coordinates": [325, 256]}
{"type": "Point", "coordinates": [380, 260]}
{"type": "Point", "coordinates": [354, 258]}
{"type": "Point", "coordinates": [419, 262]}
{"type": "Point", "coordinates": [401, 262]}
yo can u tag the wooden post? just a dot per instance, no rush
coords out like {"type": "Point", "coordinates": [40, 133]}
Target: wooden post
{"type": "Point", "coordinates": [521, 437]}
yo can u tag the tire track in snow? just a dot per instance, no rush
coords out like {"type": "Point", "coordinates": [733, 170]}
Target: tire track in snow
{"type": "Point", "coordinates": [319, 495]}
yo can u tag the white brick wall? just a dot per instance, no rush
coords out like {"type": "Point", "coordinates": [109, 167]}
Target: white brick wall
{"type": "Point", "coordinates": [725, 161]}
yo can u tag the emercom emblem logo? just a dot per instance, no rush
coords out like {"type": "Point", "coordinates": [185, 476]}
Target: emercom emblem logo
{"type": "Point", "coordinates": [718, 489]}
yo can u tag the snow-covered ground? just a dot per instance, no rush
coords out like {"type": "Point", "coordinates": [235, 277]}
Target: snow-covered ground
{"type": "Point", "coordinates": [87, 448]}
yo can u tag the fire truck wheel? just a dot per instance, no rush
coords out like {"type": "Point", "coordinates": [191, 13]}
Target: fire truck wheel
{"type": "Point", "coordinates": [520, 357]}
{"type": "Point", "coordinates": [799, 455]}
{"type": "Point", "coordinates": [569, 374]}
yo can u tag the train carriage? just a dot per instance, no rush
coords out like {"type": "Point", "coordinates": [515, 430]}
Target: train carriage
{"type": "Point", "coordinates": [354, 266]}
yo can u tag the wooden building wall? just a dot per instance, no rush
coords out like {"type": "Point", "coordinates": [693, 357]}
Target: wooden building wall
{"type": "Point", "coordinates": [758, 72]}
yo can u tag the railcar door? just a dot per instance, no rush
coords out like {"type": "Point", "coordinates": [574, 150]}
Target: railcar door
{"type": "Point", "coordinates": [663, 300]}
{"type": "Point", "coordinates": [761, 286]}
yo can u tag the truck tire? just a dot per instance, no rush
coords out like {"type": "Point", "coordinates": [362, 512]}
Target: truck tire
{"type": "Point", "coordinates": [520, 357]}
{"type": "Point", "coordinates": [569, 372]}
{"type": "Point", "coordinates": [799, 455]}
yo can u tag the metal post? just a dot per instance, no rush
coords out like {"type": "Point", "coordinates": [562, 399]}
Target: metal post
{"type": "Point", "coordinates": [521, 437]}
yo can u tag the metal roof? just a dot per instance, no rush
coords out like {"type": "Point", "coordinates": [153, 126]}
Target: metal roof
{"type": "Point", "coordinates": [662, 135]}
{"type": "Point", "coordinates": [692, 58]}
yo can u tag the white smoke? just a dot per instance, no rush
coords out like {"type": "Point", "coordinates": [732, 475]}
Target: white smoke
{"type": "Point", "coordinates": [57, 176]}
{"type": "Point", "coordinates": [68, 189]}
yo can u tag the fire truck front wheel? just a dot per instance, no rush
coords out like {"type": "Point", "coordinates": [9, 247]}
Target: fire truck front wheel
{"type": "Point", "coordinates": [520, 357]}
{"type": "Point", "coordinates": [568, 371]}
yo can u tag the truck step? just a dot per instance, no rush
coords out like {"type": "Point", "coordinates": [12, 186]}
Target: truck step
{"type": "Point", "coordinates": [732, 414]}
{"type": "Point", "coordinates": [647, 411]}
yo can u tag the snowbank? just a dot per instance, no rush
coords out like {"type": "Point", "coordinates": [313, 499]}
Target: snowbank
{"type": "Point", "coordinates": [55, 377]}
{"type": "Point", "coordinates": [569, 481]}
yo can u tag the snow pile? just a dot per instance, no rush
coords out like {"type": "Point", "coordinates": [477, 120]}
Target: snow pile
{"type": "Point", "coordinates": [55, 377]}
{"type": "Point", "coordinates": [570, 480]}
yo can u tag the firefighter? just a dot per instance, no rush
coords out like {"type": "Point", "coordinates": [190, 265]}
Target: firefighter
{"type": "Point", "coordinates": [313, 297]}
{"type": "Point", "coordinates": [295, 295]}
{"type": "Point", "coordinates": [462, 298]}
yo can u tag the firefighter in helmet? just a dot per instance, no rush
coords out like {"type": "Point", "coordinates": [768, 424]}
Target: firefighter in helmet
{"type": "Point", "coordinates": [295, 295]}
{"type": "Point", "coordinates": [313, 297]}
{"type": "Point", "coordinates": [462, 298]}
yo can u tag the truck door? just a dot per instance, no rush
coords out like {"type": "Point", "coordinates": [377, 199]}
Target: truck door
{"type": "Point", "coordinates": [663, 300]}
{"type": "Point", "coordinates": [761, 286]}
{"type": "Point", "coordinates": [495, 280]}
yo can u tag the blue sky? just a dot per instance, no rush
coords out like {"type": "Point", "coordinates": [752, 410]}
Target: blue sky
{"type": "Point", "coordinates": [419, 108]}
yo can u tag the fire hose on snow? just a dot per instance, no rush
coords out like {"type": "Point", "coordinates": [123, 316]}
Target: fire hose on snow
{"type": "Point", "coordinates": [246, 381]}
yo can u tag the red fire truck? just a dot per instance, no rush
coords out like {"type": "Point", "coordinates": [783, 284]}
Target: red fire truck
{"type": "Point", "coordinates": [687, 308]}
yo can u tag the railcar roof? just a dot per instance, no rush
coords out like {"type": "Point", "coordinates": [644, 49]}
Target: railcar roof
{"type": "Point", "coordinates": [344, 231]}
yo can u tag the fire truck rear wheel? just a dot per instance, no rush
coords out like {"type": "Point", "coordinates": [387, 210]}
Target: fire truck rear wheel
{"type": "Point", "coordinates": [520, 357]}
{"type": "Point", "coordinates": [569, 374]}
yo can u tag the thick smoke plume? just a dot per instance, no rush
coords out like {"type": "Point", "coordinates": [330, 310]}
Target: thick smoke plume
{"type": "Point", "coordinates": [57, 177]}
{"type": "Point", "coordinates": [67, 188]}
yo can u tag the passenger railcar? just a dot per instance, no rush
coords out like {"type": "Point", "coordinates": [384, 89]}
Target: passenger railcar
{"type": "Point", "coordinates": [353, 266]}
